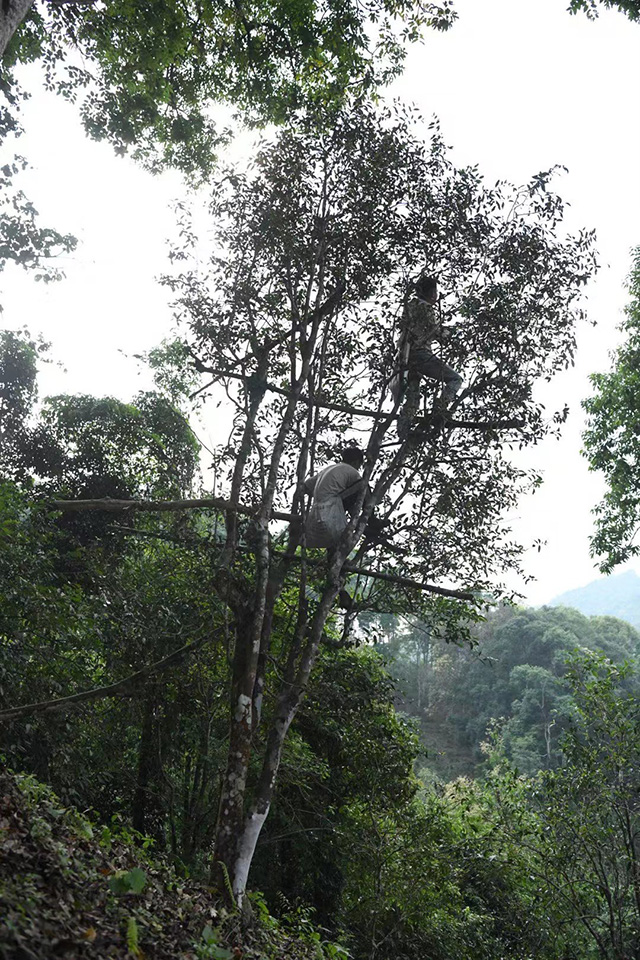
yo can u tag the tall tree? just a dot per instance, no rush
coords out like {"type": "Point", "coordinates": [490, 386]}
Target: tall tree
{"type": "Point", "coordinates": [316, 247]}
{"type": "Point", "coordinates": [612, 440]}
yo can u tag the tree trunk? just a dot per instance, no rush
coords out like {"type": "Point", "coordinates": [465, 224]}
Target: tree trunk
{"type": "Point", "coordinates": [12, 13]}
{"type": "Point", "coordinates": [300, 662]}
{"type": "Point", "coordinates": [292, 691]}
{"type": "Point", "coordinates": [146, 759]}
{"type": "Point", "coordinates": [251, 637]}
{"type": "Point", "coordinates": [231, 811]}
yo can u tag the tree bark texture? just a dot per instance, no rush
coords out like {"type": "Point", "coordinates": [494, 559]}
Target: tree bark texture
{"type": "Point", "coordinates": [12, 13]}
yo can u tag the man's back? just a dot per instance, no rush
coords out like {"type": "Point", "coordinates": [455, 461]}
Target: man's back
{"type": "Point", "coordinates": [337, 480]}
{"type": "Point", "coordinates": [330, 489]}
{"type": "Point", "coordinates": [421, 324]}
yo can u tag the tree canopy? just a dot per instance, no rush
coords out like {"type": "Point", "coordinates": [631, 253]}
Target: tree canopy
{"type": "Point", "coordinates": [629, 7]}
{"type": "Point", "coordinates": [148, 73]}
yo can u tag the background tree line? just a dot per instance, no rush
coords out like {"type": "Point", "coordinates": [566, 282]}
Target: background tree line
{"type": "Point", "coordinates": [516, 676]}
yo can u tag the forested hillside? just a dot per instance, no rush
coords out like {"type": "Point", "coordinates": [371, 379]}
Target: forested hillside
{"type": "Point", "coordinates": [617, 595]}
{"type": "Point", "coordinates": [513, 680]}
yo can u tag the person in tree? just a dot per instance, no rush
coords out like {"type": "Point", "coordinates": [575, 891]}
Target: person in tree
{"type": "Point", "coordinates": [420, 326]}
{"type": "Point", "coordinates": [335, 492]}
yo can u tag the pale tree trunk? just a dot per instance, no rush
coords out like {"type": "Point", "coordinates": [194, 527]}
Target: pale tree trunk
{"type": "Point", "coordinates": [302, 656]}
{"type": "Point", "coordinates": [253, 626]}
{"type": "Point", "coordinates": [252, 639]}
{"type": "Point", "coordinates": [246, 647]}
{"type": "Point", "coordinates": [288, 702]}
{"type": "Point", "coordinates": [12, 13]}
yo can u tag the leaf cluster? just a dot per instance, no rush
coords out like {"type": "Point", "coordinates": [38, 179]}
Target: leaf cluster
{"type": "Point", "coordinates": [148, 73]}
{"type": "Point", "coordinates": [612, 440]}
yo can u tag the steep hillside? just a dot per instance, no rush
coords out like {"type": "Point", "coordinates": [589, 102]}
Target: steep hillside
{"type": "Point", "coordinates": [71, 889]}
{"type": "Point", "coordinates": [615, 596]}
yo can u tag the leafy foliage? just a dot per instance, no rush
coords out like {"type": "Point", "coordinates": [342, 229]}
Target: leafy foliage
{"type": "Point", "coordinates": [590, 812]}
{"type": "Point", "coordinates": [148, 73]}
{"type": "Point", "coordinates": [631, 8]}
{"type": "Point", "coordinates": [19, 354]}
{"type": "Point", "coordinates": [93, 447]}
{"type": "Point", "coordinates": [68, 884]}
{"type": "Point", "coordinates": [612, 440]}
{"type": "Point", "coordinates": [514, 676]}
{"type": "Point", "coordinates": [22, 240]}
{"type": "Point", "coordinates": [84, 446]}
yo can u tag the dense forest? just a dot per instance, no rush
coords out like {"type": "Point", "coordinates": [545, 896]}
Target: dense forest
{"type": "Point", "coordinates": [512, 681]}
{"type": "Point", "coordinates": [432, 797]}
{"type": "Point", "coordinates": [220, 740]}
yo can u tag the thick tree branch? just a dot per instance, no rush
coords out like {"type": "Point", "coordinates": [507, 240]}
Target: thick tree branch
{"type": "Point", "coordinates": [373, 414]}
{"type": "Point", "coordinates": [114, 506]}
{"type": "Point", "coordinates": [412, 584]}
{"type": "Point", "coordinates": [109, 505]}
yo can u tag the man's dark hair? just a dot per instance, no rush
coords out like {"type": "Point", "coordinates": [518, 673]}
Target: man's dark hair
{"type": "Point", "coordinates": [353, 456]}
{"type": "Point", "coordinates": [426, 288]}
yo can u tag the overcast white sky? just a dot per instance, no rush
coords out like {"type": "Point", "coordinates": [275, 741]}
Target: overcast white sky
{"type": "Point", "coordinates": [518, 87]}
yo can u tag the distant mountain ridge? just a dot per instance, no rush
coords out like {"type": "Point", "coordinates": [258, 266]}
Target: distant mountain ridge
{"type": "Point", "coordinates": [615, 596]}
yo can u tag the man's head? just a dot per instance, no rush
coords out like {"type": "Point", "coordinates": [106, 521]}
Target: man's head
{"type": "Point", "coordinates": [353, 456]}
{"type": "Point", "coordinates": [426, 289]}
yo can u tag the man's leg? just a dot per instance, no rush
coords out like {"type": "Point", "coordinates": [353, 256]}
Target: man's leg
{"type": "Point", "coordinates": [428, 365]}
{"type": "Point", "coordinates": [410, 405]}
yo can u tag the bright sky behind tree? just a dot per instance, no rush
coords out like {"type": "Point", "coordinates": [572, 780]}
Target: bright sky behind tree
{"type": "Point", "coordinates": [517, 86]}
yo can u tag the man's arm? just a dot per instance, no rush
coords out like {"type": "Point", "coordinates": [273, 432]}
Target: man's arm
{"type": "Point", "coordinates": [349, 495]}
